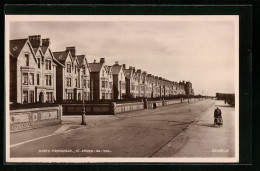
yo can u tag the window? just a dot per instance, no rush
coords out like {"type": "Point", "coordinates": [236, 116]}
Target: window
{"type": "Point", "coordinates": [84, 70]}
{"type": "Point", "coordinates": [49, 96]}
{"type": "Point", "coordinates": [123, 86]}
{"type": "Point", "coordinates": [38, 79]}
{"type": "Point", "coordinates": [31, 79]}
{"type": "Point", "coordinates": [103, 95]}
{"type": "Point", "coordinates": [68, 82]}
{"type": "Point", "coordinates": [76, 82]}
{"type": "Point", "coordinates": [121, 75]}
{"type": "Point", "coordinates": [26, 59]}
{"type": "Point", "coordinates": [133, 87]}
{"type": "Point", "coordinates": [85, 83]}
{"type": "Point", "coordinates": [75, 70]}
{"type": "Point", "coordinates": [69, 68]}
{"type": "Point", "coordinates": [31, 95]}
{"type": "Point", "coordinates": [142, 88]}
{"type": "Point", "coordinates": [69, 96]}
{"type": "Point", "coordinates": [48, 64]}
{"type": "Point", "coordinates": [48, 80]}
{"type": "Point", "coordinates": [88, 84]}
{"type": "Point", "coordinates": [25, 78]}
{"type": "Point", "coordinates": [25, 96]}
{"type": "Point", "coordinates": [39, 62]}
{"type": "Point", "coordinates": [103, 84]}
{"type": "Point", "coordinates": [103, 73]}
{"type": "Point", "coordinates": [106, 84]}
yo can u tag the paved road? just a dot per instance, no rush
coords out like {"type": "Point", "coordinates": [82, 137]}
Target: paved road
{"type": "Point", "coordinates": [145, 133]}
{"type": "Point", "coordinates": [202, 139]}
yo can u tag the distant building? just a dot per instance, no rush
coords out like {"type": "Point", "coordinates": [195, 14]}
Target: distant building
{"type": "Point", "coordinates": [119, 83]}
{"type": "Point", "coordinates": [99, 79]}
{"type": "Point", "coordinates": [32, 70]}
{"type": "Point", "coordinates": [69, 75]}
{"type": "Point", "coordinates": [131, 82]}
{"type": "Point", "coordinates": [39, 75]}
{"type": "Point", "coordinates": [188, 88]}
{"type": "Point", "coordinates": [84, 77]}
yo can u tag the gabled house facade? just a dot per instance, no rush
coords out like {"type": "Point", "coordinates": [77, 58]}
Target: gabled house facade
{"type": "Point", "coordinates": [84, 76]}
{"type": "Point", "coordinates": [131, 81]}
{"type": "Point", "coordinates": [99, 79]}
{"type": "Point", "coordinates": [66, 78]}
{"type": "Point", "coordinates": [46, 71]}
{"type": "Point", "coordinates": [32, 71]}
{"type": "Point", "coordinates": [119, 83]}
{"type": "Point", "coordinates": [110, 82]}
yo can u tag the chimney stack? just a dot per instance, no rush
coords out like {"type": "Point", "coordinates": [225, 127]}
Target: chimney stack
{"type": "Point", "coordinates": [72, 50]}
{"type": "Point", "coordinates": [124, 66]}
{"type": "Point", "coordinates": [35, 41]}
{"type": "Point", "coordinates": [116, 63]}
{"type": "Point", "coordinates": [102, 60]}
{"type": "Point", "coordinates": [94, 60]}
{"type": "Point", "coordinates": [46, 42]}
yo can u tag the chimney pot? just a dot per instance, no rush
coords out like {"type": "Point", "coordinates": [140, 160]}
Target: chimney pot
{"type": "Point", "coordinates": [102, 60]}
{"type": "Point", "coordinates": [94, 60]}
{"type": "Point", "coordinates": [35, 41]}
{"type": "Point", "coordinates": [46, 42]}
{"type": "Point", "coordinates": [72, 50]}
{"type": "Point", "coordinates": [116, 63]}
{"type": "Point", "coordinates": [124, 66]}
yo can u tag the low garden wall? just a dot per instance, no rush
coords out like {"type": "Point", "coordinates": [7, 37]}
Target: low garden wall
{"type": "Point", "coordinates": [126, 107]}
{"type": "Point", "coordinates": [90, 109]}
{"type": "Point", "coordinates": [113, 108]}
{"type": "Point", "coordinates": [24, 119]}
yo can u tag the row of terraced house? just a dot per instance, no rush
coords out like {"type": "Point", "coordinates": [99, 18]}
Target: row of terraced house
{"type": "Point", "coordinates": [37, 74]}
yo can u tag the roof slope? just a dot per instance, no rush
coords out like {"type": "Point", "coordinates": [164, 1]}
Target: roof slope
{"type": "Point", "coordinates": [95, 67]}
{"type": "Point", "coordinates": [44, 49]}
{"type": "Point", "coordinates": [16, 46]}
{"type": "Point", "coordinates": [61, 56]}
{"type": "Point", "coordinates": [80, 59]}
{"type": "Point", "coordinates": [128, 73]}
{"type": "Point", "coordinates": [116, 69]}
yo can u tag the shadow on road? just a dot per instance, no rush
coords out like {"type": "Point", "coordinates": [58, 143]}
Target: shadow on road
{"type": "Point", "coordinates": [179, 124]}
{"type": "Point", "coordinates": [206, 125]}
{"type": "Point", "coordinates": [223, 106]}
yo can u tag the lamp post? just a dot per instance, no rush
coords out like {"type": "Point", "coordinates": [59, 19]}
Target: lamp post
{"type": "Point", "coordinates": [83, 122]}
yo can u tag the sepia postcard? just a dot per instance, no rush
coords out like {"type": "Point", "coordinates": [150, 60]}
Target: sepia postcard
{"type": "Point", "coordinates": [122, 88]}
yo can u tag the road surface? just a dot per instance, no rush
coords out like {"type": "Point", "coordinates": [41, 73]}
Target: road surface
{"type": "Point", "coordinates": [179, 130]}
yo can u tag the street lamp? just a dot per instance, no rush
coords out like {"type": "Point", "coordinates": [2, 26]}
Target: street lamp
{"type": "Point", "coordinates": [83, 122]}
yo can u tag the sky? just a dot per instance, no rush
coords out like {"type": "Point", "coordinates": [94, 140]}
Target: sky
{"type": "Point", "coordinates": [199, 51]}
